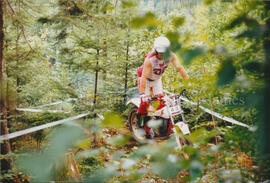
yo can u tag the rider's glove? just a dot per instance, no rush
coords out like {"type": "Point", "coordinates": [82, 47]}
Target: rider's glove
{"type": "Point", "coordinates": [144, 98]}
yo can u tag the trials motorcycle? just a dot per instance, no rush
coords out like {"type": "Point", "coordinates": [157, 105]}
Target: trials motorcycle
{"type": "Point", "coordinates": [160, 122]}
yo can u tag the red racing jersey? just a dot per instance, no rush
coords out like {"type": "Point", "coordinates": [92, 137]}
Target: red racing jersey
{"type": "Point", "coordinates": [158, 66]}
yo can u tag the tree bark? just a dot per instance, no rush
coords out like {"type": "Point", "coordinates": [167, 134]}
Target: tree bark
{"type": "Point", "coordinates": [5, 147]}
{"type": "Point", "coordinates": [264, 114]}
{"type": "Point", "coordinates": [126, 73]}
{"type": "Point", "coordinates": [266, 45]}
{"type": "Point", "coordinates": [96, 79]}
{"type": "Point", "coordinates": [127, 57]}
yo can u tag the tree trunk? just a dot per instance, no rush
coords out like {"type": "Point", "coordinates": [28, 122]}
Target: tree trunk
{"type": "Point", "coordinates": [96, 79]}
{"type": "Point", "coordinates": [126, 69]}
{"type": "Point", "coordinates": [126, 74]}
{"type": "Point", "coordinates": [5, 147]}
{"type": "Point", "coordinates": [266, 45]}
{"type": "Point", "coordinates": [264, 114]}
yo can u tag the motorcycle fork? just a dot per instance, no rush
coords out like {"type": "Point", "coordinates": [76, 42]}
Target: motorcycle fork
{"type": "Point", "coordinates": [170, 127]}
{"type": "Point", "coordinates": [174, 130]}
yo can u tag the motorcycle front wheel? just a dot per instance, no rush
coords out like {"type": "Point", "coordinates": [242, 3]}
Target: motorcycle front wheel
{"type": "Point", "coordinates": [137, 132]}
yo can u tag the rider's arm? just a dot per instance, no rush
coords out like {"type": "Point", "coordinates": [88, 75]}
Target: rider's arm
{"type": "Point", "coordinates": [146, 71]}
{"type": "Point", "coordinates": [178, 66]}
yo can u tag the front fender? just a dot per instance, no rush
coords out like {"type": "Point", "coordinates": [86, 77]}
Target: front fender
{"type": "Point", "coordinates": [134, 101]}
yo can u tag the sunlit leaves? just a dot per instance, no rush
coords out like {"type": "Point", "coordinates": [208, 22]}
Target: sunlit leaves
{"type": "Point", "coordinates": [112, 120]}
{"type": "Point", "coordinates": [190, 54]}
{"type": "Point", "coordinates": [149, 20]}
{"type": "Point", "coordinates": [226, 73]}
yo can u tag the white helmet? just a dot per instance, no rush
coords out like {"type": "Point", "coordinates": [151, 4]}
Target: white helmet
{"type": "Point", "coordinates": [161, 44]}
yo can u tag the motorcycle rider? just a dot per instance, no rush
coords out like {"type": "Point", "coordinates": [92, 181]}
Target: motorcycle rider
{"type": "Point", "coordinates": [150, 74]}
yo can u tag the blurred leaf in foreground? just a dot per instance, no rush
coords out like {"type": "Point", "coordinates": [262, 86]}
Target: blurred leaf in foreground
{"type": "Point", "coordinates": [202, 136]}
{"type": "Point", "coordinates": [254, 32]}
{"type": "Point", "coordinates": [40, 166]}
{"type": "Point", "coordinates": [190, 54]}
{"type": "Point", "coordinates": [102, 175]}
{"type": "Point", "coordinates": [250, 22]}
{"type": "Point", "coordinates": [226, 73]}
{"type": "Point", "coordinates": [178, 21]}
{"type": "Point", "coordinates": [254, 66]}
{"type": "Point", "coordinates": [119, 140]}
{"type": "Point", "coordinates": [149, 20]}
{"type": "Point", "coordinates": [172, 36]}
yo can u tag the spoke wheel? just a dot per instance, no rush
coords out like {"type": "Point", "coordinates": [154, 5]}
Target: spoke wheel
{"type": "Point", "coordinates": [138, 133]}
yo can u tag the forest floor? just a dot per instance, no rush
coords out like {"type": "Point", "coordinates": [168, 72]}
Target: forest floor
{"type": "Point", "coordinates": [235, 162]}
{"type": "Point", "coordinates": [133, 145]}
{"type": "Point", "coordinates": [108, 157]}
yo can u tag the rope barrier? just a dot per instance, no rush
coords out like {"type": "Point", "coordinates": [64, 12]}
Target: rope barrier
{"type": "Point", "coordinates": [55, 103]}
{"type": "Point", "coordinates": [41, 127]}
{"type": "Point", "coordinates": [37, 128]}
{"type": "Point", "coordinates": [225, 118]}
{"type": "Point", "coordinates": [40, 110]}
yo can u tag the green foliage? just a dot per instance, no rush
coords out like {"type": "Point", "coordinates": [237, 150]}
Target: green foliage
{"type": "Point", "coordinates": [227, 72]}
{"type": "Point", "coordinates": [246, 141]}
{"type": "Point", "coordinates": [41, 165]}
{"type": "Point", "coordinates": [128, 4]}
{"type": "Point", "coordinates": [149, 20]}
{"type": "Point", "coordinates": [190, 54]}
{"type": "Point", "coordinates": [73, 46]}
{"type": "Point", "coordinates": [112, 120]}
{"type": "Point", "coordinates": [178, 21]}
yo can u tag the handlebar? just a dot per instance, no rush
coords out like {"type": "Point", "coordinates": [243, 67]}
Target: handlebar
{"type": "Point", "coordinates": [160, 99]}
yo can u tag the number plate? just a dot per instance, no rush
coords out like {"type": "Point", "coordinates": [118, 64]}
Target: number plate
{"type": "Point", "coordinates": [183, 127]}
{"type": "Point", "coordinates": [175, 110]}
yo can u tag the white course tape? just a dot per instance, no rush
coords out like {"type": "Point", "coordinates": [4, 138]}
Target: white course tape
{"type": "Point", "coordinates": [40, 110]}
{"type": "Point", "coordinates": [100, 116]}
{"type": "Point", "coordinates": [231, 120]}
{"type": "Point", "coordinates": [55, 103]}
{"type": "Point", "coordinates": [41, 127]}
